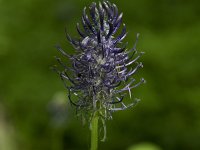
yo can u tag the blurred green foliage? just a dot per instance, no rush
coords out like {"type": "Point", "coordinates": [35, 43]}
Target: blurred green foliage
{"type": "Point", "coordinates": [144, 146]}
{"type": "Point", "coordinates": [33, 97]}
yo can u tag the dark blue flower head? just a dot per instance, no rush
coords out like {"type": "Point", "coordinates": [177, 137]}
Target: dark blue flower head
{"type": "Point", "coordinates": [102, 69]}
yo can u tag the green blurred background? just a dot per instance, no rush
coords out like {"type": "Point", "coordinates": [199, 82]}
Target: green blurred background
{"type": "Point", "coordinates": [35, 113]}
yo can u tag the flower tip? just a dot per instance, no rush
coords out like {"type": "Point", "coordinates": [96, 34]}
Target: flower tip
{"type": "Point", "coordinates": [137, 100]}
{"type": "Point", "coordinates": [143, 80]}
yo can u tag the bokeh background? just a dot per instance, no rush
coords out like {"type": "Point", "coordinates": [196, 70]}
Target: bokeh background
{"type": "Point", "coordinates": [34, 111]}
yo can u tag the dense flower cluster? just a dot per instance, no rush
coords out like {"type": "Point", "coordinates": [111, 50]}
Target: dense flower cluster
{"type": "Point", "coordinates": [99, 76]}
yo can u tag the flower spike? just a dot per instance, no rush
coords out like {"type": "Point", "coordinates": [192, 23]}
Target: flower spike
{"type": "Point", "coordinates": [99, 76]}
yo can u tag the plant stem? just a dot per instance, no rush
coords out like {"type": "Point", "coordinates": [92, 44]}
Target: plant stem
{"type": "Point", "coordinates": [94, 131]}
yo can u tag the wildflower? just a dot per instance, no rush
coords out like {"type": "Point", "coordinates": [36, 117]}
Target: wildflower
{"type": "Point", "coordinates": [99, 76]}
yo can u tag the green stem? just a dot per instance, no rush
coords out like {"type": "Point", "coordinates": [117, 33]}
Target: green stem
{"type": "Point", "coordinates": [94, 131]}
